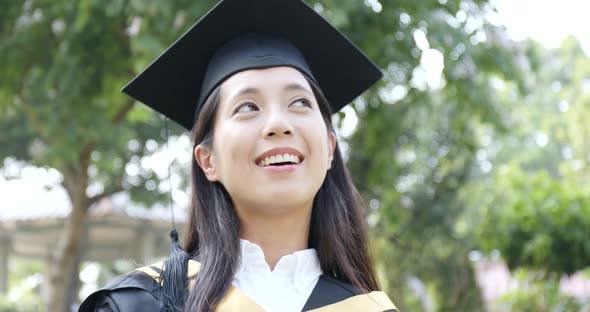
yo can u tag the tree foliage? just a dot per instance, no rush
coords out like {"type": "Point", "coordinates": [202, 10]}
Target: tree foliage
{"type": "Point", "coordinates": [540, 222]}
{"type": "Point", "coordinates": [540, 214]}
{"type": "Point", "coordinates": [415, 144]}
{"type": "Point", "coordinates": [60, 106]}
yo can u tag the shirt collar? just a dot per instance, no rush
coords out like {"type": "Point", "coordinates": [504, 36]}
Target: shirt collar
{"type": "Point", "coordinates": [302, 267]}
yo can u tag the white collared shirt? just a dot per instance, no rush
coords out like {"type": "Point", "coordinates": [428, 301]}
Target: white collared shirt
{"type": "Point", "coordinates": [287, 287]}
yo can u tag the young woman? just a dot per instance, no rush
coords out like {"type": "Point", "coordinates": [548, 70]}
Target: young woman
{"type": "Point", "coordinates": [275, 223]}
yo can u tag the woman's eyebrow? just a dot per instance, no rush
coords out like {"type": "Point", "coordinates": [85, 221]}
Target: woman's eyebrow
{"type": "Point", "coordinates": [289, 87]}
{"type": "Point", "coordinates": [247, 90]}
{"type": "Point", "coordinates": [296, 87]}
{"type": "Point", "coordinates": [243, 91]}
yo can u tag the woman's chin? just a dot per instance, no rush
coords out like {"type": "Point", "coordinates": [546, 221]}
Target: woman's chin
{"type": "Point", "coordinates": [278, 197]}
{"type": "Point", "coordinates": [285, 197]}
{"type": "Point", "coordinates": [290, 190]}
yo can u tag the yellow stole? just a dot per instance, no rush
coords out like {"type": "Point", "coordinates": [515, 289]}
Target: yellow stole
{"type": "Point", "coordinates": [235, 300]}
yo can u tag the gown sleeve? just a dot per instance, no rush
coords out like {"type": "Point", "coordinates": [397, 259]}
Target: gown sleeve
{"type": "Point", "coordinates": [133, 292]}
{"type": "Point", "coordinates": [124, 300]}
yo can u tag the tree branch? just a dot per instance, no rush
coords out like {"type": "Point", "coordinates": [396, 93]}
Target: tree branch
{"type": "Point", "coordinates": [27, 109]}
{"type": "Point", "coordinates": [95, 199]}
{"type": "Point", "coordinates": [120, 115]}
{"type": "Point", "coordinates": [32, 118]}
{"type": "Point", "coordinates": [115, 188]}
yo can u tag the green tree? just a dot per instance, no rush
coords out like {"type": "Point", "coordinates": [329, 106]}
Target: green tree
{"type": "Point", "coordinates": [533, 205]}
{"type": "Point", "coordinates": [60, 106]}
{"type": "Point", "coordinates": [540, 216]}
{"type": "Point", "coordinates": [414, 148]}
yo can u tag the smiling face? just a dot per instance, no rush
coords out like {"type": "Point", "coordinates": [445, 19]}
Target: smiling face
{"type": "Point", "coordinates": [261, 114]}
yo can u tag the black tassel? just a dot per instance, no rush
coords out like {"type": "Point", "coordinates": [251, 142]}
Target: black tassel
{"type": "Point", "coordinates": [174, 277]}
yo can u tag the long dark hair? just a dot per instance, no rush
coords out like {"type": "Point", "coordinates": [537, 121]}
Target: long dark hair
{"type": "Point", "coordinates": [337, 231]}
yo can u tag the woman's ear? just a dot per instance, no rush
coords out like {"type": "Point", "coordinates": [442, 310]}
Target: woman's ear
{"type": "Point", "coordinates": [331, 147]}
{"type": "Point", "coordinates": [206, 160]}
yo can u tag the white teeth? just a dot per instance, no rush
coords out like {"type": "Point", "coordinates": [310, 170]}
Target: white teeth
{"type": "Point", "coordinates": [279, 159]}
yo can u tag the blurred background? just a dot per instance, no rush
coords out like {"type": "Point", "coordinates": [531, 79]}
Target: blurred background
{"type": "Point", "coordinates": [472, 154]}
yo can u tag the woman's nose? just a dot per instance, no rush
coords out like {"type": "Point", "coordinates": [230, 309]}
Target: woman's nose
{"type": "Point", "coordinates": [277, 124]}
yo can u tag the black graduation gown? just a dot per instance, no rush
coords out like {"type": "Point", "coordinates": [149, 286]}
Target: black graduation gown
{"type": "Point", "coordinates": [139, 291]}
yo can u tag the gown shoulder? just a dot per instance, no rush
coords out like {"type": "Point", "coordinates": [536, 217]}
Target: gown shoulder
{"type": "Point", "coordinates": [331, 294]}
{"type": "Point", "coordinates": [133, 292]}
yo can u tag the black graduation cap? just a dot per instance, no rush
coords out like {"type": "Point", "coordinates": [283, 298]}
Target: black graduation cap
{"type": "Point", "coordinates": [245, 34]}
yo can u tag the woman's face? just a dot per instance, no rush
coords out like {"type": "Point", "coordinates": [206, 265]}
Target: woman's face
{"type": "Point", "coordinates": [263, 113]}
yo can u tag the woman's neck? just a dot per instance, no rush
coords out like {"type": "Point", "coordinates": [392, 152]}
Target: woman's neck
{"type": "Point", "coordinates": [277, 235]}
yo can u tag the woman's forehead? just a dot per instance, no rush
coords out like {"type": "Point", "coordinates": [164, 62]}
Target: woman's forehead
{"type": "Point", "coordinates": [272, 79]}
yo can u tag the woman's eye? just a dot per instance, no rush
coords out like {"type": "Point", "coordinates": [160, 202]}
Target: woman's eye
{"type": "Point", "coordinates": [246, 107]}
{"type": "Point", "coordinates": [301, 103]}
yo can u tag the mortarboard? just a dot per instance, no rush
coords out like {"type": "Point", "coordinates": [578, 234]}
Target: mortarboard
{"type": "Point", "coordinates": [236, 35]}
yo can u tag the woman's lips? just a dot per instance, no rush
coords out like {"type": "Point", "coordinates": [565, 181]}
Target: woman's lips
{"type": "Point", "coordinates": [282, 168]}
{"type": "Point", "coordinates": [279, 151]}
